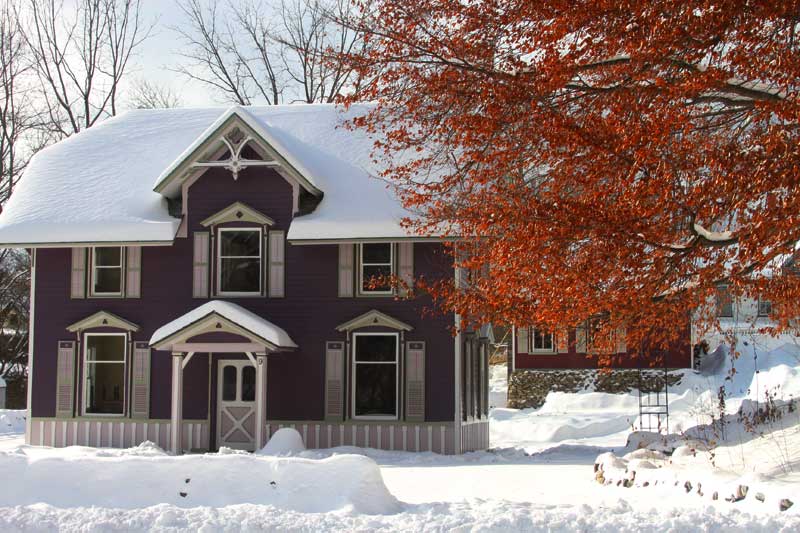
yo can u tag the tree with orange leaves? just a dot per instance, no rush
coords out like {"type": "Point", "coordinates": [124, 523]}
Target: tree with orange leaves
{"type": "Point", "coordinates": [614, 159]}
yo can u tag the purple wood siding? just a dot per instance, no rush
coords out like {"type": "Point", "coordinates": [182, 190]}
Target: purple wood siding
{"type": "Point", "coordinates": [310, 311]}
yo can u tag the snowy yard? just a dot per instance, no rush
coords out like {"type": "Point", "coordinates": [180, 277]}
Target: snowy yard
{"type": "Point", "coordinates": [539, 476]}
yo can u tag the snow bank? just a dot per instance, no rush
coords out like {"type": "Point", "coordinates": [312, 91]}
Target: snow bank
{"type": "Point", "coordinates": [12, 421]}
{"type": "Point", "coordinates": [285, 441]}
{"type": "Point", "coordinates": [145, 476]}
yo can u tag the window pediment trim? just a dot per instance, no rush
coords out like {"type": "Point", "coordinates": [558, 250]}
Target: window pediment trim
{"type": "Point", "coordinates": [103, 319]}
{"type": "Point", "coordinates": [371, 319]}
{"type": "Point", "coordinates": [238, 212]}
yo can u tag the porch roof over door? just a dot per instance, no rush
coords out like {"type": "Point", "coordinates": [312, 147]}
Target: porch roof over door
{"type": "Point", "coordinates": [220, 316]}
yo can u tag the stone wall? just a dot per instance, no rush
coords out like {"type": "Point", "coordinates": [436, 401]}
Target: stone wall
{"type": "Point", "coordinates": [529, 387]}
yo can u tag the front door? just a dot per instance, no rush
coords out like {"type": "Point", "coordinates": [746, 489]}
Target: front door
{"type": "Point", "coordinates": [236, 404]}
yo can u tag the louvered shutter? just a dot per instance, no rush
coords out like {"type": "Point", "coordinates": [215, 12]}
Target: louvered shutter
{"type": "Point", "coordinates": [133, 272]}
{"type": "Point", "coordinates": [200, 265]}
{"type": "Point", "coordinates": [523, 340]}
{"type": "Point", "coordinates": [346, 270]}
{"type": "Point", "coordinates": [334, 381]}
{"type": "Point", "coordinates": [562, 340]}
{"type": "Point", "coordinates": [415, 381]}
{"type": "Point", "coordinates": [405, 252]}
{"type": "Point", "coordinates": [78, 275]}
{"type": "Point", "coordinates": [140, 397]}
{"type": "Point", "coordinates": [277, 263]}
{"type": "Point", "coordinates": [580, 339]}
{"type": "Point", "coordinates": [65, 379]}
{"type": "Point", "coordinates": [622, 346]}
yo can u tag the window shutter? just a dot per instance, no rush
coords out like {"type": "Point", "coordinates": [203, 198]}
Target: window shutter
{"type": "Point", "coordinates": [78, 277]}
{"type": "Point", "coordinates": [621, 340]}
{"type": "Point", "coordinates": [334, 381]}
{"type": "Point", "coordinates": [277, 262]}
{"type": "Point", "coordinates": [415, 381]}
{"type": "Point", "coordinates": [562, 340]}
{"type": "Point", "coordinates": [522, 340]}
{"type": "Point", "coordinates": [580, 339]}
{"type": "Point", "coordinates": [133, 272]}
{"type": "Point", "coordinates": [200, 265]}
{"type": "Point", "coordinates": [346, 270]}
{"type": "Point", "coordinates": [405, 252]}
{"type": "Point", "coordinates": [140, 399]}
{"type": "Point", "coordinates": [65, 379]}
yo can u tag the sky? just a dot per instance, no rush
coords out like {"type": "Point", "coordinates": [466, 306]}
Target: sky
{"type": "Point", "coordinates": [159, 53]}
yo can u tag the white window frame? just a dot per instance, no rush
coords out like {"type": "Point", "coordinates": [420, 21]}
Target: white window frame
{"type": "Point", "coordinates": [760, 314]}
{"type": "Point", "coordinates": [724, 290]}
{"type": "Point", "coordinates": [396, 364]}
{"type": "Point", "coordinates": [85, 380]}
{"type": "Point", "coordinates": [95, 266]}
{"type": "Point", "coordinates": [361, 266]}
{"type": "Point", "coordinates": [260, 290]}
{"type": "Point", "coordinates": [532, 345]}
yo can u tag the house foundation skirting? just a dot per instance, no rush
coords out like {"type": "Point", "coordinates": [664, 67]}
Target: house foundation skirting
{"type": "Point", "coordinates": [110, 433]}
{"type": "Point", "coordinates": [474, 435]}
{"type": "Point", "coordinates": [438, 437]}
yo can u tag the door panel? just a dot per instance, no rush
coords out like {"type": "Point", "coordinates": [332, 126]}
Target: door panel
{"type": "Point", "coordinates": [236, 406]}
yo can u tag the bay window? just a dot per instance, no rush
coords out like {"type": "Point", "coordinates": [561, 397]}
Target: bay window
{"type": "Point", "coordinates": [104, 373]}
{"type": "Point", "coordinates": [239, 261]}
{"type": "Point", "coordinates": [376, 265]}
{"type": "Point", "coordinates": [107, 264]}
{"type": "Point", "coordinates": [375, 375]}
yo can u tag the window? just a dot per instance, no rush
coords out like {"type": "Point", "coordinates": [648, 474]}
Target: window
{"type": "Point", "coordinates": [104, 371]}
{"type": "Point", "coordinates": [107, 271]}
{"type": "Point", "coordinates": [377, 261]}
{"type": "Point", "coordinates": [474, 378]}
{"type": "Point", "coordinates": [764, 307]}
{"type": "Point", "coordinates": [724, 302]}
{"type": "Point", "coordinates": [239, 269]}
{"type": "Point", "coordinates": [541, 341]}
{"type": "Point", "coordinates": [375, 375]}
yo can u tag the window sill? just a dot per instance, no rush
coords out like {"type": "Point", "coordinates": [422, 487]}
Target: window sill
{"type": "Point", "coordinates": [375, 418]}
{"type": "Point", "coordinates": [103, 415]}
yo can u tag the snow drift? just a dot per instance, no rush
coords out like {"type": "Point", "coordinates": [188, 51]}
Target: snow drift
{"type": "Point", "coordinates": [145, 476]}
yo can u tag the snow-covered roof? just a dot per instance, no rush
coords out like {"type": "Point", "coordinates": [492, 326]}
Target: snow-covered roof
{"type": "Point", "coordinates": [98, 185]}
{"type": "Point", "coordinates": [230, 311]}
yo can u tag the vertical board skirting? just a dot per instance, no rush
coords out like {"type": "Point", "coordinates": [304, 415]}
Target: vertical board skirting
{"type": "Point", "coordinates": [60, 433]}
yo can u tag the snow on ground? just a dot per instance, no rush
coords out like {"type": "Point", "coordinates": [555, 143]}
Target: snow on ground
{"type": "Point", "coordinates": [539, 476]}
{"type": "Point", "coordinates": [12, 422]}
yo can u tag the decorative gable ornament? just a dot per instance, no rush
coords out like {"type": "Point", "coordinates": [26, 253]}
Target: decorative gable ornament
{"type": "Point", "coordinates": [102, 319]}
{"type": "Point", "coordinates": [238, 212]}
{"type": "Point", "coordinates": [371, 319]}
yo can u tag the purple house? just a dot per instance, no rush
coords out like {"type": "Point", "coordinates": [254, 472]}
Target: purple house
{"type": "Point", "coordinates": [204, 277]}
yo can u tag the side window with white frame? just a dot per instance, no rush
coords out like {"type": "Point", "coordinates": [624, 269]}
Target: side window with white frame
{"type": "Point", "coordinates": [376, 265]}
{"type": "Point", "coordinates": [724, 302]}
{"type": "Point", "coordinates": [107, 269]}
{"type": "Point", "coordinates": [541, 341]}
{"type": "Point", "coordinates": [104, 373]}
{"type": "Point", "coordinates": [239, 269]}
{"type": "Point", "coordinates": [764, 307]}
{"type": "Point", "coordinates": [375, 376]}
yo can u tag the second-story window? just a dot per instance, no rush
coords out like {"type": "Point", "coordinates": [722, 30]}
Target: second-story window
{"type": "Point", "coordinates": [107, 271]}
{"type": "Point", "coordinates": [764, 307]}
{"type": "Point", "coordinates": [377, 265]}
{"type": "Point", "coordinates": [239, 269]}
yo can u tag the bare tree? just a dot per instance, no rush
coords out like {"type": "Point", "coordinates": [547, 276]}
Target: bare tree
{"type": "Point", "coordinates": [313, 39]}
{"type": "Point", "coordinates": [150, 95]}
{"type": "Point", "coordinates": [81, 56]}
{"type": "Point", "coordinates": [14, 315]}
{"type": "Point", "coordinates": [248, 59]}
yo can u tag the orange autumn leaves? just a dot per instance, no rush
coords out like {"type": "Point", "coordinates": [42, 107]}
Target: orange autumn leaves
{"type": "Point", "coordinates": [591, 155]}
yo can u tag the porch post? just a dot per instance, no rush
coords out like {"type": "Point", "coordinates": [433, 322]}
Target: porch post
{"type": "Point", "coordinates": [261, 399]}
{"type": "Point", "coordinates": [176, 431]}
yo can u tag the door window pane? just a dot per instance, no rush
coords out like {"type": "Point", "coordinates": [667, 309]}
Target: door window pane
{"type": "Point", "coordinates": [376, 348]}
{"type": "Point", "coordinates": [229, 384]}
{"type": "Point", "coordinates": [105, 374]}
{"type": "Point", "coordinates": [248, 384]}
